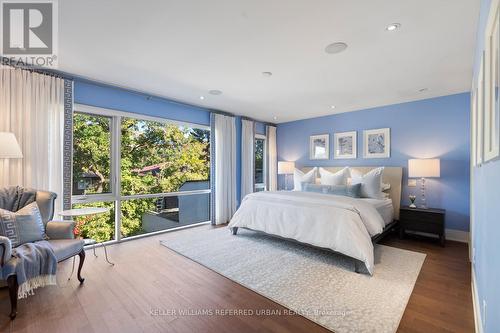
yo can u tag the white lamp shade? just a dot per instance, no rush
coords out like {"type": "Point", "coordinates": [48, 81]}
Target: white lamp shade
{"type": "Point", "coordinates": [285, 168]}
{"type": "Point", "coordinates": [9, 148]}
{"type": "Point", "coordinates": [424, 168]}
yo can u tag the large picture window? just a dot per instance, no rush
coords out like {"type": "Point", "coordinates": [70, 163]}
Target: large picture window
{"type": "Point", "coordinates": [153, 174]}
{"type": "Point", "coordinates": [260, 168]}
{"type": "Point", "coordinates": [91, 154]}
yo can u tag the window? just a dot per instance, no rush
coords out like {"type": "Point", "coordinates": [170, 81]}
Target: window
{"type": "Point", "coordinates": [151, 173]}
{"type": "Point", "coordinates": [260, 170]}
{"type": "Point", "coordinates": [91, 154]}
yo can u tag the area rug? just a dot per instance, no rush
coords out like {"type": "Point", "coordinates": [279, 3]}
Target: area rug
{"type": "Point", "coordinates": [314, 283]}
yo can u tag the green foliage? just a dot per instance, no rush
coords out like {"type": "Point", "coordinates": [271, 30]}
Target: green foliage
{"type": "Point", "coordinates": [180, 154]}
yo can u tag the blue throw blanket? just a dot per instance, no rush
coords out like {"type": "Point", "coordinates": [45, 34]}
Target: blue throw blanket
{"type": "Point", "coordinates": [35, 265]}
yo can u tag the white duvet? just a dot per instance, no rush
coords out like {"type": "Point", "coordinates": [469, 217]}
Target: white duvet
{"type": "Point", "coordinates": [340, 223]}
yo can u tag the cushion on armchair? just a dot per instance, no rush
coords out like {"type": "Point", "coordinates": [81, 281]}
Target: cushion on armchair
{"type": "Point", "coordinates": [66, 248]}
{"type": "Point", "coordinates": [23, 226]}
{"type": "Point", "coordinates": [60, 229]}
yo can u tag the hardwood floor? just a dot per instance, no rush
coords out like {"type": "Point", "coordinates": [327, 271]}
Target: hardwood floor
{"type": "Point", "coordinates": [148, 281]}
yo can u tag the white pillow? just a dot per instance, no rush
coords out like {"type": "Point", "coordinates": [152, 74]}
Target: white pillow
{"type": "Point", "coordinates": [371, 182]}
{"type": "Point", "coordinates": [299, 177]}
{"type": "Point", "coordinates": [337, 178]}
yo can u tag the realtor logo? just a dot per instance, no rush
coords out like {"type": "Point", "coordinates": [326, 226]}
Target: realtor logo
{"type": "Point", "coordinates": [29, 32]}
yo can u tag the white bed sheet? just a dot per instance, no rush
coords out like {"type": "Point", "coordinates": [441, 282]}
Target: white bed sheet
{"type": "Point", "coordinates": [340, 223]}
{"type": "Point", "coordinates": [384, 207]}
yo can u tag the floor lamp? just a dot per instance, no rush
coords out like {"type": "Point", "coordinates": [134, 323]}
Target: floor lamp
{"type": "Point", "coordinates": [286, 168]}
{"type": "Point", "coordinates": [9, 148]}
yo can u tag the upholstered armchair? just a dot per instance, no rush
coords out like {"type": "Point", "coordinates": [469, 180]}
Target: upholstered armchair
{"type": "Point", "coordinates": [60, 233]}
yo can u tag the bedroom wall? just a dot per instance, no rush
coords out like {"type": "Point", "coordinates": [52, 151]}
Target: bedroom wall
{"type": "Point", "coordinates": [431, 128]}
{"type": "Point", "coordinates": [485, 218]}
{"type": "Point", "coordinates": [123, 100]}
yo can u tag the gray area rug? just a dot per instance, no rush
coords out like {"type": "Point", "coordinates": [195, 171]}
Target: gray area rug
{"type": "Point", "coordinates": [314, 283]}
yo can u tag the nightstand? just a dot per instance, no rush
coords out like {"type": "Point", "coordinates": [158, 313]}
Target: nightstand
{"type": "Point", "coordinates": [429, 220]}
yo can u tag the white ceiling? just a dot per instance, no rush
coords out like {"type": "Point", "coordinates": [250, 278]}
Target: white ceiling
{"type": "Point", "coordinates": [181, 49]}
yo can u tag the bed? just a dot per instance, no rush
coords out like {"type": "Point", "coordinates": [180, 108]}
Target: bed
{"type": "Point", "coordinates": [337, 223]}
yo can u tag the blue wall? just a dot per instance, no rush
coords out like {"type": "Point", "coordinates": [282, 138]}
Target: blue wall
{"type": "Point", "coordinates": [123, 100]}
{"type": "Point", "coordinates": [432, 128]}
{"type": "Point", "coordinates": [486, 216]}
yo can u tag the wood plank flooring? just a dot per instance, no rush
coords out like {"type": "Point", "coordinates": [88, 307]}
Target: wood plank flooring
{"type": "Point", "coordinates": [149, 281]}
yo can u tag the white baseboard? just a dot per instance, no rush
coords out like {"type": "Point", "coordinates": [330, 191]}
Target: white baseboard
{"type": "Point", "coordinates": [451, 234]}
{"type": "Point", "coordinates": [476, 304]}
{"type": "Point", "coordinates": [457, 235]}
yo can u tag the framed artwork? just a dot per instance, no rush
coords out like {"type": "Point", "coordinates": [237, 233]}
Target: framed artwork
{"type": "Point", "coordinates": [319, 147]}
{"type": "Point", "coordinates": [345, 145]}
{"type": "Point", "coordinates": [377, 143]}
{"type": "Point", "coordinates": [473, 105]}
{"type": "Point", "coordinates": [478, 118]}
{"type": "Point", "coordinates": [491, 148]}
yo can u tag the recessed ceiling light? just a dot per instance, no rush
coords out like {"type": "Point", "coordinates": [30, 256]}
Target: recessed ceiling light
{"type": "Point", "coordinates": [267, 74]}
{"type": "Point", "coordinates": [393, 26]}
{"type": "Point", "coordinates": [275, 118]}
{"type": "Point", "coordinates": [202, 97]}
{"type": "Point", "coordinates": [335, 47]}
{"type": "Point", "coordinates": [215, 92]}
{"type": "Point", "coordinates": [423, 89]}
{"type": "Point", "coordinates": [332, 106]}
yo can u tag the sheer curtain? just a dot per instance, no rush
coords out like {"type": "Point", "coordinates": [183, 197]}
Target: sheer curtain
{"type": "Point", "coordinates": [32, 107]}
{"type": "Point", "coordinates": [224, 168]}
{"type": "Point", "coordinates": [272, 158]}
{"type": "Point", "coordinates": [247, 157]}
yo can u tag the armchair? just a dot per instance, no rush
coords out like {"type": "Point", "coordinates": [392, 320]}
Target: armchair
{"type": "Point", "coordinates": [60, 233]}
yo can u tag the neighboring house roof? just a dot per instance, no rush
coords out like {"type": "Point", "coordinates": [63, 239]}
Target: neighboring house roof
{"type": "Point", "coordinates": [149, 168]}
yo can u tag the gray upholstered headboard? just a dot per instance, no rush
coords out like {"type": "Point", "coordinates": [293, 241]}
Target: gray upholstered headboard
{"type": "Point", "coordinates": [391, 175]}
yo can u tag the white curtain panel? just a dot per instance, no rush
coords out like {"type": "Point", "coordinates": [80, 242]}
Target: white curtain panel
{"type": "Point", "coordinates": [32, 107]}
{"type": "Point", "coordinates": [225, 168]}
{"type": "Point", "coordinates": [272, 158]}
{"type": "Point", "coordinates": [247, 157]}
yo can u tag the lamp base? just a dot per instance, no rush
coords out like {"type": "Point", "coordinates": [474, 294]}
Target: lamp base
{"type": "Point", "coordinates": [423, 200]}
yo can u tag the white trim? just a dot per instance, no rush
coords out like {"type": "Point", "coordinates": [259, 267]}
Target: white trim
{"type": "Point", "coordinates": [113, 112]}
{"type": "Point", "coordinates": [457, 235]}
{"type": "Point", "coordinates": [492, 30]}
{"type": "Point", "coordinates": [450, 234]}
{"type": "Point", "coordinates": [478, 321]}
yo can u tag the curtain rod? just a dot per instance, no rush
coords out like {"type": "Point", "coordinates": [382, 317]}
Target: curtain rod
{"type": "Point", "coordinates": [229, 114]}
{"type": "Point", "coordinates": [30, 68]}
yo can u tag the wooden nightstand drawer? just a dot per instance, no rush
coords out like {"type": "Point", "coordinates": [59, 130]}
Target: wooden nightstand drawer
{"type": "Point", "coordinates": [424, 217]}
{"type": "Point", "coordinates": [422, 226]}
{"type": "Point", "coordinates": [429, 221]}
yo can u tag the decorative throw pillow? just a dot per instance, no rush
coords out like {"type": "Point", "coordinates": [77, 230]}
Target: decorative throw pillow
{"type": "Point", "coordinates": [23, 226]}
{"type": "Point", "coordinates": [353, 191]}
{"type": "Point", "coordinates": [337, 178]}
{"type": "Point", "coordinates": [299, 177]}
{"type": "Point", "coordinates": [371, 182]}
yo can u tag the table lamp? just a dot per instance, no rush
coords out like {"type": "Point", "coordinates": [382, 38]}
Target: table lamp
{"type": "Point", "coordinates": [9, 148]}
{"type": "Point", "coordinates": [424, 168]}
{"type": "Point", "coordinates": [286, 168]}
